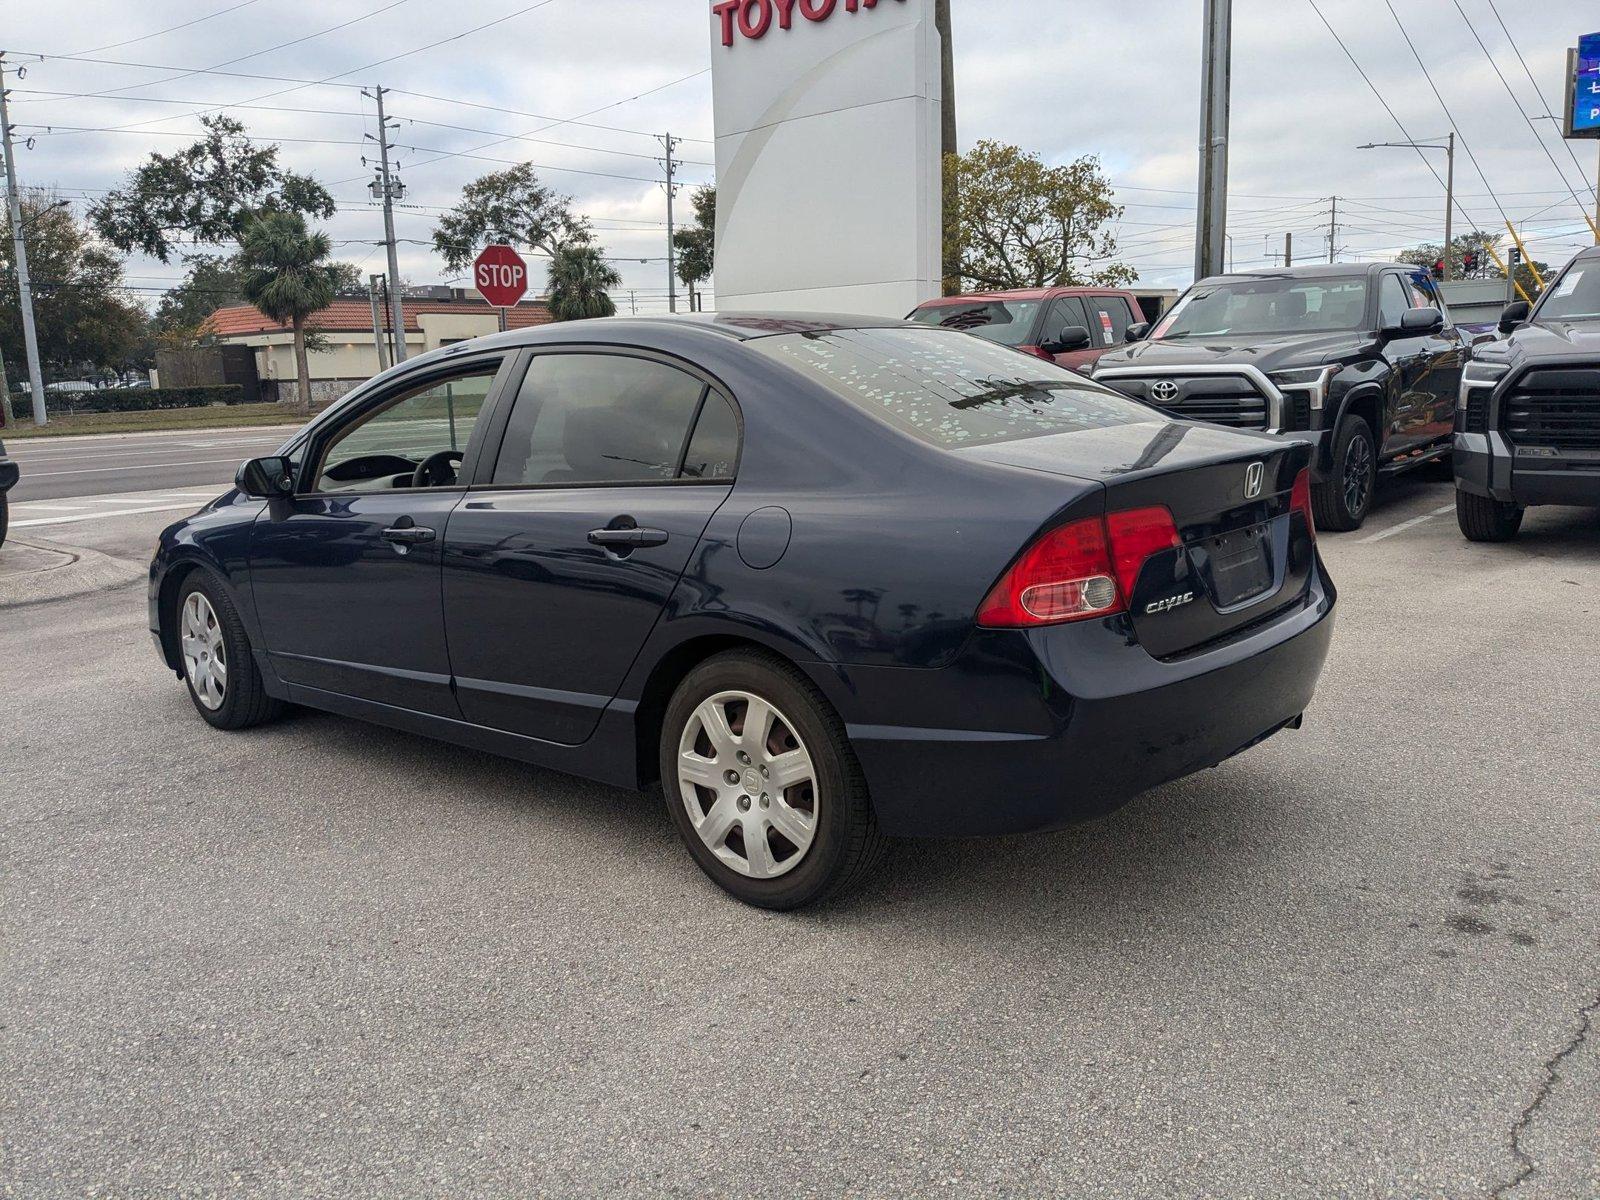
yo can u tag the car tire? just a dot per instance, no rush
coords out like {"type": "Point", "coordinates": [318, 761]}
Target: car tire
{"type": "Point", "coordinates": [1341, 502]}
{"type": "Point", "coordinates": [211, 636]}
{"type": "Point", "coordinates": [724, 792]}
{"type": "Point", "coordinates": [1485, 520]}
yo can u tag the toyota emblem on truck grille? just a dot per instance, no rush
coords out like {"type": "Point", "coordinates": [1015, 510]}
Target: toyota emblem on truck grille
{"type": "Point", "coordinates": [1164, 390]}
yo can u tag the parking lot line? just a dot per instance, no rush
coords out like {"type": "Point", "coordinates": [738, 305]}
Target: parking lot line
{"type": "Point", "coordinates": [1405, 525]}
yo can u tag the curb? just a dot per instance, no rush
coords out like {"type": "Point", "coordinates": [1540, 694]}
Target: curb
{"type": "Point", "coordinates": [48, 438]}
{"type": "Point", "coordinates": [33, 570]}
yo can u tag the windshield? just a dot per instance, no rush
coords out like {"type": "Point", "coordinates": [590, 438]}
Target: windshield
{"type": "Point", "coordinates": [1005, 321]}
{"type": "Point", "coordinates": [1575, 296]}
{"type": "Point", "coordinates": [952, 390]}
{"type": "Point", "coordinates": [1256, 306]}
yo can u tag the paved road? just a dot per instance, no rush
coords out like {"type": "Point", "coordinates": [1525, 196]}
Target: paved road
{"type": "Point", "coordinates": [58, 468]}
{"type": "Point", "coordinates": [321, 958]}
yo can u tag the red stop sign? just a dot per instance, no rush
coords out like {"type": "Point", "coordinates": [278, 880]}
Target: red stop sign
{"type": "Point", "coordinates": [500, 275]}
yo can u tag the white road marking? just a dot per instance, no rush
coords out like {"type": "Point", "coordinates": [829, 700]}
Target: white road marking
{"type": "Point", "coordinates": [30, 454]}
{"type": "Point", "coordinates": [1405, 525]}
{"type": "Point", "coordinates": [104, 515]}
{"type": "Point", "coordinates": [195, 462]}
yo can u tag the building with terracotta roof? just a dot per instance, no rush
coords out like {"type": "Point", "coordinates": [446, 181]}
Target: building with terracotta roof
{"type": "Point", "coordinates": [437, 318]}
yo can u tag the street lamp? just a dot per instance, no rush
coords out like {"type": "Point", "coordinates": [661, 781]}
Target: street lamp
{"type": "Point", "coordinates": [1449, 148]}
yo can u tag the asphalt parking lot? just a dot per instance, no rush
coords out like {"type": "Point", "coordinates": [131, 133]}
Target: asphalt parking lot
{"type": "Point", "coordinates": [321, 958]}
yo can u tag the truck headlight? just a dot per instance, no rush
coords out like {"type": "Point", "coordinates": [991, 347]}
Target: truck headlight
{"type": "Point", "coordinates": [1479, 373]}
{"type": "Point", "coordinates": [1313, 381]}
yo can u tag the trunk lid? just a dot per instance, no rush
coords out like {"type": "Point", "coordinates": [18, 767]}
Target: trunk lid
{"type": "Point", "coordinates": [1244, 555]}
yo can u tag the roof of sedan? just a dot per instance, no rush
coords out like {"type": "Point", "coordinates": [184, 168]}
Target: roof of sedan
{"type": "Point", "coordinates": [740, 325]}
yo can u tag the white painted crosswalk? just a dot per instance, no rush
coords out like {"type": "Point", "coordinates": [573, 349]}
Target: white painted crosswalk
{"type": "Point", "coordinates": [33, 513]}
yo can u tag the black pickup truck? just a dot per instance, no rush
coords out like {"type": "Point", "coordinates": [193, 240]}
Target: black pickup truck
{"type": "Point", "coordinates": [1528, 429]}
{"type": "Point", "coordinates": [1362, 359]}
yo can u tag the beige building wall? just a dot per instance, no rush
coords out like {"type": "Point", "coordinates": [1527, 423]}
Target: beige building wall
{"type": "Point", "coordinates": [353, 356]}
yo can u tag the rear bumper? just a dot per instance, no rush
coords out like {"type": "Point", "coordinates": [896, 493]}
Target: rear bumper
{"type": "Point", "coordinates": [1066, 724]}
{"type": "Point", "coordinates": [1485, 465]}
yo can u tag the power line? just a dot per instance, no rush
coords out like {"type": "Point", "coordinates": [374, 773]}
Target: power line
{"type": "Point", "coordinates": [518, 112]}
{"type": "Point", "coordinates": [1449, 116]}
{"type": "Point", "coordinates": [222, 12]}
{"type": "Point", "coordinates": [1526, 119]}
{"type": "Point", "coordinates": [1399, 124]}
{"type": "Point", "coordinates": [1539, 92]}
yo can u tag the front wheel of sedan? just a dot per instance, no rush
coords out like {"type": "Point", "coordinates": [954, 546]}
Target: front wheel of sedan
{"type": "Point", "coordinates": [763, 784]}
{"type": "Point", "coordinates": [218, 666]}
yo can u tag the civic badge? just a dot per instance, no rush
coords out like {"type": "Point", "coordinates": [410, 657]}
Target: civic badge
{"type": "Point", "coordinates": [1254, 474]}
{"type": "Point", "coordinates": [1164, 390]}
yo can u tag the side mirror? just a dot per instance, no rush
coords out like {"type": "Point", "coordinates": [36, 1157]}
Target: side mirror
{"type": "Point", "coordinates": [1513, 314]}
{"type": "Point", "coordinates": [1136, 331]}
{"type": "Point", "coordinates": [1417, 322]}
{"type": "Point", "coordinates": [265, 477]}
{"type": "Point", "coordinates": [1072, 337]}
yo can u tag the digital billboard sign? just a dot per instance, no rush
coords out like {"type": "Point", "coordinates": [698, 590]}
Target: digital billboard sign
{"type": "Point", "coordinates": [1583, 89]}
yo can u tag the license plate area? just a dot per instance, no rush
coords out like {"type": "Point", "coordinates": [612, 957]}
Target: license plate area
{"type": "Point", "coordinates": [1236, 566]}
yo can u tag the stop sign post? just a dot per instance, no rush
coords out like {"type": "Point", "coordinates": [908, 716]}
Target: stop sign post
{"type": "Point", "coordinates": [501, 277]}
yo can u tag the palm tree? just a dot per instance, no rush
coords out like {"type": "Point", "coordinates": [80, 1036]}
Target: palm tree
{"type": "Point", "coordinates": [579, 278]}
{"type": "Point", "coordinates": [285, 272]}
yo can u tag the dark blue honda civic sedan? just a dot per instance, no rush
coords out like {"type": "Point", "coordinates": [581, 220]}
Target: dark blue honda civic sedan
{"type": "Point", "coordinates": [827, 580]}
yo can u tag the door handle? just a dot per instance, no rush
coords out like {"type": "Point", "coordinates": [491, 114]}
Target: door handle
{"type": "Point", "coordinates": [627, 539]}
{"type": "Point", "coordinates": [407, 535]}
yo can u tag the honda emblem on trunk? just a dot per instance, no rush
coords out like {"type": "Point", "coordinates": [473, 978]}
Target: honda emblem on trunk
{"type": "Point", "coordinates": [1253, 476]}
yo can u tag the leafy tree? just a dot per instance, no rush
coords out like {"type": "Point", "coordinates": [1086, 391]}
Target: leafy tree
{"type": "Point", "coordinates": [83, 317]}
{"type": "Point", "coordinates": [1019, 223]}
{"type": "Point", "coordinates": [509, 206]}
{"type": "Point", "coordinates": [579, 277]}
{"type": "Point", "coordinates": [1477, 240]}
{"type": "Point", "coordinates": [696, 244]}
{"type": "Point", "coordinates": [214, 281]}
{"type": "Point", "coordinates": [204, 194]}
{"type": "Point", "coordinates": [285, 272]}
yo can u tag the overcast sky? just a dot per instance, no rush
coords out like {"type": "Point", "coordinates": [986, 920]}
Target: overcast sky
{"type": "Point", "coordinates": [1060, 77]}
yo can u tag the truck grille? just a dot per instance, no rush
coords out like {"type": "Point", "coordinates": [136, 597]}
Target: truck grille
{"type": "Point", "coordinates": [1557, 407]}
{"type": "Point", "coordinates": [1222, 399]}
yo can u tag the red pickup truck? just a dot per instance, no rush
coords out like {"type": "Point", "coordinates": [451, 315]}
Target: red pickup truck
{"type": "Point", "coordinates": [1069, 325]}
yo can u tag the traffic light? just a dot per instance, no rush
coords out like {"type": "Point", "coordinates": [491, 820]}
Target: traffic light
{"type": "Point", "coordinates": [1438, 268]}
{"type": "Point", "coordinates": [1469, 261]}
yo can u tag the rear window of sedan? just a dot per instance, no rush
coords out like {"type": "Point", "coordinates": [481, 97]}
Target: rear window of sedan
{"type": "Point", "coordinates": [952, 389]}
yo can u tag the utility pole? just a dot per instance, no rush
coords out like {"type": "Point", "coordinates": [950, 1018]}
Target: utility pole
{"type": "Point", "coordinates": [1449, 148]}
{"type": "Point", "coordinates": [949, 239]}
{"type": "Point", "coordinates": [1333, 227]}
{"type": "Point", "coordinates": [390, 190]}
{"type": "Point", "coordinates": [377, 322]}
{"type": "Point", "coordinates": [1288, 249]}
{"type": "Point", "coordinates": [671, 143]}
{"type": "Point", "coordinates": [1211, 219]}
{"type": "Point", "coordinates": [30, 336]}
{"type": "Point", "coordinates": [633, 303]}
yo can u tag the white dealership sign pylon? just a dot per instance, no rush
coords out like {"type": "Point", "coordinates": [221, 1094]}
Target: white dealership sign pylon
{"type": "Point", "coordinates": [828, 174]}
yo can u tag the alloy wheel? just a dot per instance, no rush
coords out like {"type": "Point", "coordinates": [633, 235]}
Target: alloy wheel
{"type": "Point", "coordinates": [748, 784]}
{"type": "Point", "coordinates": [1357, 474]}
{"type": "Point", "coordinates": [205, 660]}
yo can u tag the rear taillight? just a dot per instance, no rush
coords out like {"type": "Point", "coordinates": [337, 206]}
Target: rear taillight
{"type": "Point", "coordinates": [1136, 534]}
{"type": "Point", "coordinates": [1077, 571]}
{"type": "Point", "coordinates": [1300, 501]}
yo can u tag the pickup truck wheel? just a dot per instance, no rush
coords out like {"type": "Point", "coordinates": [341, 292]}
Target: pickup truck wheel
{"type": "Point", "coordinates": [1485, 520]}
{"type": "Point", "coordinates": [1341, 501]}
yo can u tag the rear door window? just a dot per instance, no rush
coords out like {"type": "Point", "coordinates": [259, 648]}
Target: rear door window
{"type": "Point", "coordinates": [1108, 320]}
{"type": "Point", "coordinates": [714, 446]}
{"type": "Point", "coordinates": [596, 419]}
{"type": "Point", "coordinates": [949, 390]}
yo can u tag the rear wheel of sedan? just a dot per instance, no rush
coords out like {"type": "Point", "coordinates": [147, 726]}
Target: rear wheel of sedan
{"type": "Point", "coordinates": [763, 784]}
{"type": "Point", "coordinates": [218, 666]}
{"type": "Point", "coordinates": [1341, 501]}
{"type": "Point", "coordinates": [1485, 520]}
